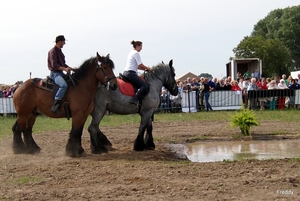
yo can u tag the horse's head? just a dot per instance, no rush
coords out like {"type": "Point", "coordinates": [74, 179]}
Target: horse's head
{"type": "Point", "coordinates": [170, 82]}
{"type": "Point", "coordinates": [106, 75]}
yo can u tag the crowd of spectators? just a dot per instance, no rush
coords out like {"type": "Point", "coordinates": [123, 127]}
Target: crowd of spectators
{"type": "Point", "coordinates": [7, 91]}
{"type": "Point", "coordinates": [244, 83]}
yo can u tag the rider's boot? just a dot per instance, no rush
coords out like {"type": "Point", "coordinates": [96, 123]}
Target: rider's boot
{"type": "Point", "coordinates": [138, 96]}
{"type": "Point", "coordinates": [134, 100]}
{"type": "Point", "coordinates": [56, 105]}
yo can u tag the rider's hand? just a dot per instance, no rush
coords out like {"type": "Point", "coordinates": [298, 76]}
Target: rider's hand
{"type": "Point", "coordinates": [68, 69]}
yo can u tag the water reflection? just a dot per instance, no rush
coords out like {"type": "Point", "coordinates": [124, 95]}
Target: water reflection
{"type": "Point", "coordinates": [237, 150]}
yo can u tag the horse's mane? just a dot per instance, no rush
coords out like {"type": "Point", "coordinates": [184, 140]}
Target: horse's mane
{"type": "Point", "coordinates": [155, 71]}
{"type": "Point", "coordinates": [83, 69]}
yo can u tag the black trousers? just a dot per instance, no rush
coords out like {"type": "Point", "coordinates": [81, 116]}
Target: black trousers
{"type": "Point", "coordinates": [136, 81]}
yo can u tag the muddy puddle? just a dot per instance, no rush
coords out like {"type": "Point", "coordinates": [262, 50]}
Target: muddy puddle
{"type": "Point", "coordinates": [237, 150]}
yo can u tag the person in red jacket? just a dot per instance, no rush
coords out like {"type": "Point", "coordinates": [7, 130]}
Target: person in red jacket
{"type": "Point", "coordinates": [263, 85]}
{"type": "Point", "coordinates": [235, 86]}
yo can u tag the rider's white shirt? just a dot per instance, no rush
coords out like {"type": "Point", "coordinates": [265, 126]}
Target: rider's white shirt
{"type": "Point", "coordinates": [133, 61]}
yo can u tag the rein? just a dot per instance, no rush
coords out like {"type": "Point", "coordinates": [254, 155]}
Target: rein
{"type": "Point", "coordinates": [104, 74]}
{"type": "Point", "coordinates": [168, 85]}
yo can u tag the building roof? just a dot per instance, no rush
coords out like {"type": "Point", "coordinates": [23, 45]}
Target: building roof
{"type": "Point", "coordinates": [185, 76]}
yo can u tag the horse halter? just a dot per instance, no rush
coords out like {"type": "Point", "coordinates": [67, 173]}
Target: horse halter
{"type": "Point", "coordinates": [165, 83]}
{"type": "Point", "coordinates": [170, 86]}
{"type": "Point", "coordinates": [102, 70]}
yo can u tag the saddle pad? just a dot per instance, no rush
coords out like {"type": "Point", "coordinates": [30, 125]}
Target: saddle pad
{"type": "Point", "coordinates": [126, 88]}
{"type": "Point", "coordinates": [43, 84]}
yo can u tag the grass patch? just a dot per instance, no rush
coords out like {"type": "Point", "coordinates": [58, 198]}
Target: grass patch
{"type": "Point", "coordinates": [229, 161]}
{"type": "Point", "coordinates": [25, 180]}
{"type": "Point", "coordinates": [294, 160]}
{"type": "Point", "coordinates": [279, 132]}
{"type": "Point", "coordinates": [198, 138]}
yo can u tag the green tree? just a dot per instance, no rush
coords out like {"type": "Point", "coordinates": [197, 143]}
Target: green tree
{"type": "Point", "coordinates": [206, 75]}
{"type": "Point", "coordinates": [283, 24]}
{"type": "Point", "coordinates": [275, 56]}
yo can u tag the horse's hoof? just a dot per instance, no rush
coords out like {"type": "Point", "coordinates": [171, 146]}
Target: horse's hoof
{"type": "Point", "coordinates": [74, 152]}
{"type": "Point", "coordinates": [99, 150]}
{"type": "Point", "coordinates": [19, 150]}
{"type": "Point", "coordinates": [34, 150]}
{"type": "Point", "coordinates": [139, 148]}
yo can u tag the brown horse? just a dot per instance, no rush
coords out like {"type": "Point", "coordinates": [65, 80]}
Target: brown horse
{"type": "Point", "coordinates": [30, 100]}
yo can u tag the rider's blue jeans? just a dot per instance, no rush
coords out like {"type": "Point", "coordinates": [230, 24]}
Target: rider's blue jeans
{"type": "Point", "coordinates": [57, 76]}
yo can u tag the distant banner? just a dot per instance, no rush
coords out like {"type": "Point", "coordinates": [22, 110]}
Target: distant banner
{"type": "Point", "coordinates": [7, 106]}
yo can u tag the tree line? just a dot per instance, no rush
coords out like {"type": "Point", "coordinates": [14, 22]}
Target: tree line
{"type": "Point", "coordinates": [276, 40]}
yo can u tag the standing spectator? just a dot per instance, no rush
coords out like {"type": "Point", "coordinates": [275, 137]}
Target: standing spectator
{"type": "Point", "coordinates": [285, 79]}
{"type": "Point", "coordinates": [255, 74]}
{"type": "Point", "coordinates": [189, 81]}
{"type": "Point", "coordinates": [235, 86]}
{"type": "Point", "coordinates": [277, 79]}
{"type": "Point", "coordinates": [281, 99]}
{"type": "Point", "coordinates": [7, 92]}
{"type": "Point", "coordinates": [220, 85]}
{"type": "Point", "coordinates": [229, 79]}
{"type": "Point", "coordinates": [201, 95]}
{"type": "Point", "coordinates": [206, 89]}
{"type": "Point", "coordinates": [293, 85]}
{"type": "Point", "coordinates": [289, 80]}
{"type": "Point", "coordinates": [195, 87]}
{"type": "Point", "coordinates": [244, 91]}
{"type": "Point", "coordinates": [215, 80]}
{"type": "Point", "coordinates": [252, 87]}
{"type": "Point", "coordinates": [211, 84]}
{"type": "Point", "coordinates": [164, 100]}
{"type": "Point", "coordinates": [14, 88]}
{"type": "Point", "coordinates": [185, 86]}
{"type": "Point", "coordinates": [175, 101]}
{"type": "Point", "coordinates": [247, 74]}
{"type": "Point", "coordinates": [238, 75]}
{"type": "Point", "coordinates": [263, 86]}
{"type": "Point", "coordinates": [268, 81]}
{"type": "Point", "coordinates": [272, 86]}
{"type": "Point", "coordinates": [227, 85]}
{"type": "Point", "coordinates": [241, 80]}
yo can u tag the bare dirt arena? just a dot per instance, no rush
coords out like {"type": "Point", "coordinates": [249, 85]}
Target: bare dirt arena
{"type": "Point", "coordinates": [123, 174]}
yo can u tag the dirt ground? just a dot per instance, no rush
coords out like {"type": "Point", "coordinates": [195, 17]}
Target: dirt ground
{"type": "Point", "coordinates": [123, 174]}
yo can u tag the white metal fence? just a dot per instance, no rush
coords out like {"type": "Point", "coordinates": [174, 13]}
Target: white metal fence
{"type": "Point", "coordinates": [7, 106]}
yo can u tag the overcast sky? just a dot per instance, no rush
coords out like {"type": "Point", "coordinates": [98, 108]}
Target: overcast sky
{"type": "Point", "coordinates": [198, 35]}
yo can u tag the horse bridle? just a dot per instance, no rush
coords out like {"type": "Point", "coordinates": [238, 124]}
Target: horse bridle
{"type": "Point", "coordinates": [105, 76]}
{"type": "Point", "coordinates": [167, 85]}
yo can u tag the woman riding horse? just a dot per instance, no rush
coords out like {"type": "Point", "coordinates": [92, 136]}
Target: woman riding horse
{"type": "Point", "coordinates": [118, 103]}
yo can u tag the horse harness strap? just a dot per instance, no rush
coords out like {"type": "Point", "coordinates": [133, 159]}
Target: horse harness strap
{"type": "Point", "coordinates": [105, 76]}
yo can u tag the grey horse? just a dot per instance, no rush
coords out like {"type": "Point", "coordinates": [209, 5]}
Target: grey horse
{"type": "Point", "coordinates": [115, 102]}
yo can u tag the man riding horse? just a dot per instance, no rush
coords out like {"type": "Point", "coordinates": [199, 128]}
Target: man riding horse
{"type": "Point", "coordinates": [57, 64]}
